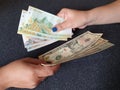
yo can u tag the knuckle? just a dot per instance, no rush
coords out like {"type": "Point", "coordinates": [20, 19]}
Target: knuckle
{"type": "Point", "coordinates": [64, 9]}
{"type": "Point", "coordinates": [61, 26]}
{"type": "Point", "coordinates": [51, 72]}
{"type": "Point", "coordinates": [33, 86]}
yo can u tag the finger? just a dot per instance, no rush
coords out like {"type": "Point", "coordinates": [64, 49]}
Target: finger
{"type": "Point", "coordinates": [62, 13]}
{"type": "Point", "coordinates": [44, 71]}
{"type": "Point", "coordinates": [55, 68]}
{"type": "Point", "coordinates": [62, 26]}
{"type": "Point", "coordinates": [51, 69]}
{"type": "Point", "coordinates": [43, 61]}
{"type": "Point", "coordinates": [32, 60]}
{"type": "Point", "coordinates": [41, 79]}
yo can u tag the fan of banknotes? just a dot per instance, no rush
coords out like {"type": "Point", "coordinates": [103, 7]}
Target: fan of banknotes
{"type": "Point", "coordinates": [36, 25]}
{"type": "Point", "coordinates": [83, 45]}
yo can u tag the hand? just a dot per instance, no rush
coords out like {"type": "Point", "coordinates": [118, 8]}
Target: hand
{"type": "Point", "coordinates": [24, 73]}
{"type": "Point", "coordinates": [73, 19]}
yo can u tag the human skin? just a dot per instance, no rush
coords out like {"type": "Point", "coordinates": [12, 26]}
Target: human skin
{"type": "Point", "coordinates": [106, 14]}
{"type": "Point", "coordinates": [24, 73]}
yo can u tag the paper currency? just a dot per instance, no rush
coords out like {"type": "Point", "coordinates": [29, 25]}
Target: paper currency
{"type": "Point", "coordinates": [35, 26]}
{"type": "Point", "coordinates": [83, 45]}
{"type": "Point", "coordinates": [39, 24]}
{"type": "Point", "coordinates": [100, 45]}
{"type": "Point", "coordinates": [32, 43]}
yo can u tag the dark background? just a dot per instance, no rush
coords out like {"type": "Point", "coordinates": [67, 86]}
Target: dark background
{"type": "Point", "coordinates": [100, 71]}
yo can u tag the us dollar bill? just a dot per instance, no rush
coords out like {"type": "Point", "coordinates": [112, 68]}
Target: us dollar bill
{"type": "Point", "coordinates": [100, 45]}
{"type": "Point", "coordinates": [68, 49]}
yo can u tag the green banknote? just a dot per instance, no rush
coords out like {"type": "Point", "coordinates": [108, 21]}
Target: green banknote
{"type": "Point", "coordinates": [38, 23]}
{"type": "Point", "coordinates": [66, 51]}
{"type": "Point", "coordinates": [32, 43]}
{"type": "Point", "coordinates": [100, 45]}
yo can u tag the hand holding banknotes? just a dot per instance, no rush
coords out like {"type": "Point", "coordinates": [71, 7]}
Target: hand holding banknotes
{"type": "Point", "coordinates": [80, 19]}
{"type": "Point", "coordinates": [73, 19]}
{"type": "Point", "coordinates": [87, 43]}
{"type": "Point", "coordinates": [24, 73]}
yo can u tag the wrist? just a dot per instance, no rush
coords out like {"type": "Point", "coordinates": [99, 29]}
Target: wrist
{"type": "Point", "coordinates": [92, 16]}
{"type": "Point", "coordinates": [4, 84]}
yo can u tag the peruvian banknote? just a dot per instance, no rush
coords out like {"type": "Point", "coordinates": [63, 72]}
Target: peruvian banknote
{"type": "Point", "coordinates": [35, 26]}
{"type": "Point", "coordinates": [39, 24]}
{"type": "Point", "coordinates": [32, 43]}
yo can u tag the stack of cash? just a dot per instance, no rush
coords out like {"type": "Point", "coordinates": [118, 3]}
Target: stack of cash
{"type": "Point", "coordinates": [36, 28]}
{"type": "Point", "coordinates": [83, 45]}
{"type": "Point", "coordinates": [36, 25]}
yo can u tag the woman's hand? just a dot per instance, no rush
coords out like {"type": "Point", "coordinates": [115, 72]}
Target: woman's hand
{"type": "Point", "coordinates": [24, 73]}
{"type": "Point", "coordinates": [73, 19]}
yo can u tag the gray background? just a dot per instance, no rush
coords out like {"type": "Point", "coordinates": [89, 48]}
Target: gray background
{"type": "Point", "coordinates": [100, 71]}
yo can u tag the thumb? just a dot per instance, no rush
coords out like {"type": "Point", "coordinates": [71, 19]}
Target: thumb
{"type": "Point", "coordinates": [42, 71]}
{"type": "Point", "coordinates": [61, 26]}
{"type": "Point", "coordinates": [45, 71]}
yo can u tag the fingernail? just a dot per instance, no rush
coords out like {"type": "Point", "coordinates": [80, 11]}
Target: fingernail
{"type": "Point", "coordinates": [54, 29]}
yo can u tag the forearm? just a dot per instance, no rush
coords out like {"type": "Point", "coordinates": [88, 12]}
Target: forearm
{"type": "Point", "coordinates": [105, 14]}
